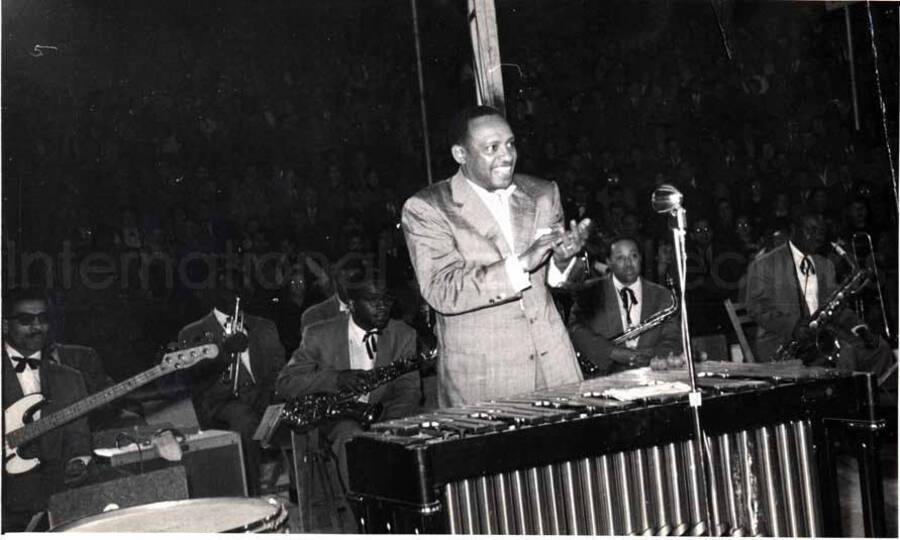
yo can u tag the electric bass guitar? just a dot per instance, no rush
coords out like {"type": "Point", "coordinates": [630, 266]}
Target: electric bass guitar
{"type": "Point", "coordinates": [20, 429]}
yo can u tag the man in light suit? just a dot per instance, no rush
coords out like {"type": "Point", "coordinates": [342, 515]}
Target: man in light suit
{"type": "Point", "coordinates": [28, 368]}
{"type": "Point", "coordinates": [786, 285]}
{"type": "Point", "coordinates": [336, 355]}
{"type": "Point", "coordinates": [619, 302]}
{"type": "Point", "coordinates": [479, 243]}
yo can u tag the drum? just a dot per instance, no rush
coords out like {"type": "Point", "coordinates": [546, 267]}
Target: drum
{"type": "Point", "coordinates": [211, 515]}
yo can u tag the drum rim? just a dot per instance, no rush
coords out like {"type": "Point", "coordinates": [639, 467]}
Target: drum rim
{"type": "Point", "coordinates": [274, 520]}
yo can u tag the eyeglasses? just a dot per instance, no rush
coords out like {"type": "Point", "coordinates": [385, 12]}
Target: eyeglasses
{"type": "Point", "coordinates": [26, 319]}
{"type": "Point", "coordinates": [701, 229]}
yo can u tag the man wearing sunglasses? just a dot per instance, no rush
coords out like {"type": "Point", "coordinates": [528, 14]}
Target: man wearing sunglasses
{"type": "Point", "coordinates": [30, 366]}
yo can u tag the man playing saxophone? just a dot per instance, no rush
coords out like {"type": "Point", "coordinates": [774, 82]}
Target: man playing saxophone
{"type": "Point", "coordinates": [620, 303]}
{"type": "Point", "coordinates": [338, 355]}
{"type": "Point", "coordinates": [792, 282]}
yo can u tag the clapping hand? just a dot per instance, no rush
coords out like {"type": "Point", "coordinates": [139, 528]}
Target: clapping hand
{"type": "Point", "coordinates": [569, 243]}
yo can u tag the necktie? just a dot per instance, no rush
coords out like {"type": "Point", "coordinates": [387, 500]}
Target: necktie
{"type": "Point", "coordinates": [628, 300]}
{"type": "Point", "coordinates": [370, 339]}
{"type": "Point", "coordinates": [806, 266]}
{"type": "Point", "coordinates": [21, 363]}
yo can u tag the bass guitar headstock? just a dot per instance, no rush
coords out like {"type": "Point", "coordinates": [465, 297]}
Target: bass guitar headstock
{"type": "Point", "coordinates": [188, 357]}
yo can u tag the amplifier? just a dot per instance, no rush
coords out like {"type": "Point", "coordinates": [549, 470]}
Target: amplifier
{"type": "Point", "coordinates": [213, 459]}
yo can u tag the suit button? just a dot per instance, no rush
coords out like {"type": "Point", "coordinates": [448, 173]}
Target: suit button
{"type": "Point", "coordinates": [531, 357]}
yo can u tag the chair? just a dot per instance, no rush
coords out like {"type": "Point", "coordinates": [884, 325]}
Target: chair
{"type": "Point", "coordinates": [315, 466]}
{"type": "Point", "coordinates": [739, 317]}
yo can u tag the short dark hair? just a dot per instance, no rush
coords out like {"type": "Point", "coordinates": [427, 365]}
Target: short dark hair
{"type": "Point", "coordinates": [622, 238]}
{"type": "Point", "coordinates": [14, 297]}
{"type": "Point", "coordinates": [459, 124]}
{"type": "Point", "coordinates": [367, 288]}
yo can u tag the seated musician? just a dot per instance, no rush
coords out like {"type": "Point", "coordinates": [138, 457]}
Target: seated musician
{"type": "Point", "coordinates": [788, 284]}
{"type": "Point", "coordinates": [620, 302]}
{"type": "Point", "coordinates": [252, 356]}
{"type": "Point", "coordinates": [335, 355]}
{"type": "Point", "coordinates": [336, 304]}
{"type": "Point", "coordinates": [65, 452]}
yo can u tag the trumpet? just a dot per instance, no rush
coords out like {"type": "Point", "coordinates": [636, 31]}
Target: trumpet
{"type": "Point", "coordinates": [234, 327]}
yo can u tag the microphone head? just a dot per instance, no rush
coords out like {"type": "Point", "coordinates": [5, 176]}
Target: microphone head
{"type": "Point", "coordinates": [666, 198]}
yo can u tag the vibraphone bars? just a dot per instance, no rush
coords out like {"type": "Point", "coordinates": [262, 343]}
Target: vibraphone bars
{"type": "Point", "coordinates": [615, 455]}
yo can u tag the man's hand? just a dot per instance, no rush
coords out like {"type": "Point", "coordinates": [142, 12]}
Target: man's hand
{"type": "Point", "coordinates": [76, 470]}
{"type": "Point", "coordinates": [665, 363]}
{"type": "Point", "coordinates": [802, 332]}
{"type": "Point", "coordinates": [869, 339]}
{"type": "Point", "coordinates": [351, 380]}
{"type": "Point", "coordinates": [570, 243]}
{"type": "Point", "coordinates": [537, 252]}
{"type": "Point", "coordinates": [632, 358]}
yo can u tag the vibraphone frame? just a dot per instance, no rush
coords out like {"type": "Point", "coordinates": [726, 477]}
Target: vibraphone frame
{"type": "Point", "coordinates": [397, 484]}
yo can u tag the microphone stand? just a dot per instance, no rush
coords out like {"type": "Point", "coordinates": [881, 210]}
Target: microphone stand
{"type": "Point", "coordinates": [701, 452]}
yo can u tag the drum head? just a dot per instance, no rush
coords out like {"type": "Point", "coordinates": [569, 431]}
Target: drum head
{"type": "Point", "coordinates": [212, 515]}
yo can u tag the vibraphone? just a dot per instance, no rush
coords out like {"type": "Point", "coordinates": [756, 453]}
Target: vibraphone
{"type": "Point", "coordinates": [615, 455]}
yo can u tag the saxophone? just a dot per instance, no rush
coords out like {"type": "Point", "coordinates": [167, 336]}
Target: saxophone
{"type": "Point", "coordinates": [311, 410]}
{"type": "Point", "coordinates": [819, 322]}
{"type": "Point", "coordinates": [589, 369]}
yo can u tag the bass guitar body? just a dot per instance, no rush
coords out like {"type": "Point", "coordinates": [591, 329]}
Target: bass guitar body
{"type": "Point", "coordinates": [16, 416]}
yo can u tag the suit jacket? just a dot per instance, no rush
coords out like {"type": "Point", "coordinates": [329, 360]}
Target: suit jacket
{"type": "Point", "coordinates": [61, 386]}
{"type": "Point", "coordinates": [591, 335]}
{"type": "Point", "coordinates": [324, 310]}
{"type": "Point", "coordinates": [266, 359]}
{"type": "Point", "coordinates": [494, 341]}
{"type": "Point", "coordinates": [774, 295]}
{"type": "Point", "coordinates": [88, 363]}
{"type": "Point", "coordinates": [324, 352]}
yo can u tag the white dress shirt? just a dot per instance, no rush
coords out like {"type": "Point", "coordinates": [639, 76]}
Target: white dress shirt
{"type": "Point", "coordinates": [809, 285]}
{"type": "Point", "coordinates": [359, 356]}
{"type": "Point", "coordinates": [634, 311]}
{"type": "Point", "coordinates": [245, 355]}
{"type": "Point", "coordinates": [497, 203]}
{"type": "Point", "coordinates": [29, 379]}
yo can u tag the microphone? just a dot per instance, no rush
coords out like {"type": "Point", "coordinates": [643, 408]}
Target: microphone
{"type": "Point", "coordinates": [666, 199]}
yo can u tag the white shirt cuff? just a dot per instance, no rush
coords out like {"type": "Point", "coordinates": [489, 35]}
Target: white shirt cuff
{"type": "Point", "coordinates": [555, 278]}
{"type": "Point", "coordinates": [517, 275]}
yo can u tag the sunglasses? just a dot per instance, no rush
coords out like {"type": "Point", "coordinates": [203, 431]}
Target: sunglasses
{"type": "Point", "coordinates": [26, 319]}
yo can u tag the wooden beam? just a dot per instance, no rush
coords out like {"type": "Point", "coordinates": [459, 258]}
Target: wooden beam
{"type": "Point", "coordinates": [486, 54]}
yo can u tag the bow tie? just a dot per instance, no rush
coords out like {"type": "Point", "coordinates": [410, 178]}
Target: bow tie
{"type": "Point", "coordinates": [370, 339]}
{"type": "Point", "coordinates": [21, 363]}
{"type": "Point", "coordinates": [806, 266]}
{"type": "Point", "coordinates": [628, 300]}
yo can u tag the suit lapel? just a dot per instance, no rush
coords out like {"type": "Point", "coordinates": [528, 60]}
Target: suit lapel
{"type": "Point", "coordinates": [385, 347]}
{"type": "Point", "coordinates": [340, 337]}
{"type": "Point", "coordinates": [787, 261]}
{"type": "Point", "coordinates": [473, 210]}
{"type": "Point", "coordinates": [12, 392]}
{"type": "Point", "coordinates": [522, 214]}
{"type": "Point", "coordinates": [611, 309]}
